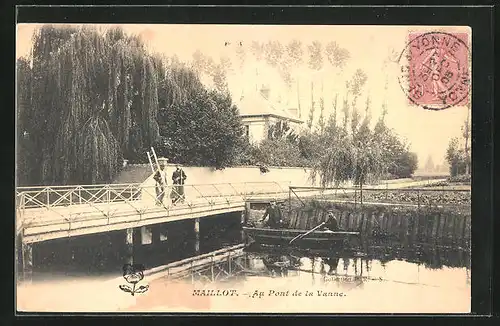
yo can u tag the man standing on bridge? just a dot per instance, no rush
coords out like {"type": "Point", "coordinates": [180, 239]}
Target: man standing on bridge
{"type": "Point", "coordinates": [274, 215]}
{"type": "Point", "coordinates": [161, 182]}
{"type": "Point", "coordinates": [178, 177]}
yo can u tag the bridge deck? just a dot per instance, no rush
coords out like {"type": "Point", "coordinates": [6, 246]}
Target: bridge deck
{"type": "Point", "coordinates": [56, 212]}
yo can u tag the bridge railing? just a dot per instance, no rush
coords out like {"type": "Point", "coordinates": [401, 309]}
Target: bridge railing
{"type": "Point", "coordinates": [61, 196]}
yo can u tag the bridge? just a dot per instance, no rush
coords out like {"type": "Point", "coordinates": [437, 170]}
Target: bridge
{"type": "Point", "coordinates": [45, 213]}
{"type": "Point", "coordinates": [53, 212]}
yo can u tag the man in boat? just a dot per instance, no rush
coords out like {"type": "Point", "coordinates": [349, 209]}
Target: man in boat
{"type": "Point", "coordinates": [331, 222]}
{"type": "Point", "coordinates": [274, 215]}
{"type": "Point", "coordinates": [161, 182]}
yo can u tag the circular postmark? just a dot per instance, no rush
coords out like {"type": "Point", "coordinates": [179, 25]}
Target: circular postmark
{"type": "Point", "coordinates": [434, 70]}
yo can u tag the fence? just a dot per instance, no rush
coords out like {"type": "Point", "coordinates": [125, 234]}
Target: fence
{"type": "Point", "coordinates": [415, 197]}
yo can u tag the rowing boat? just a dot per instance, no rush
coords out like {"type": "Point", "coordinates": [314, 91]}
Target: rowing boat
{"type": "Point", "coordinates": [317, 239]}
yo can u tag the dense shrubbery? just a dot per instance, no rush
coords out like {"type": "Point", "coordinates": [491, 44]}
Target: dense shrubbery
{"type": "Point", "coordinates": [463, 178]}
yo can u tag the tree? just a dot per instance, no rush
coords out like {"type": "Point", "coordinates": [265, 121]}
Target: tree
{"type": "Point", "coordinates": [273, 52]}
{"type": "Point", "coordinates": [197, 126]}
{"type": "Point", "coordinates": [93, 101]}
{"type": "Point", "coordinates": [353, 151]}
{"type": "Point", "coordinates": [279, 152]}
{"type": "Point", "coordinates": [257, 50]}
{"type": "Point", "coordinates": [294, 59]}
{"type": "Point", "coordinates": [282, 131]}
{"type": "Point", "coordinates": [315, 55]}
{"type": "Point", "coordinates": [310, 119]}
{"type": "Point", "coordinates": [406, 164]}
{"type": "Point", "coordinates": [456, 158]}
{"type": "Point", "coordinates": [219, 78]}
{"type": "Point", "coordinates": [321, 119]}
{"type": "Point", "coordinates": [398, 159]}
{"type": "Point", "coordinates": [356, 84]}
{"type": "Point", "coordinates": [315, 63]}
{"type": "Point", "coordinates": [336, 56]}
{"type": "Point", "coordinates": [429, 165]}
{"type": "Point", "coordinates": [466, 133]}
{"type": "Point", "coordinates": [241, 55]}
{"type": "Point", "coordinates": [25, 152]}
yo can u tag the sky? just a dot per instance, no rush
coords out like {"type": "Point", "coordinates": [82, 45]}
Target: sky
{"type": "Point", "coordinates": [370, 47]}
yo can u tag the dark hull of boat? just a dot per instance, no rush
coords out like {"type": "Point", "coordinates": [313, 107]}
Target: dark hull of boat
{"type": "Point", "coordinates": [282, 237]}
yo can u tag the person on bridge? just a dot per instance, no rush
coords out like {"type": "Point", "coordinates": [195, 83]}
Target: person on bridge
{"type": "Point", "coordinates": [161, 182]}
{"type": "Point", "coordinates": [179, 178]}
{"type": "Point", "coordinates": [274, 216]}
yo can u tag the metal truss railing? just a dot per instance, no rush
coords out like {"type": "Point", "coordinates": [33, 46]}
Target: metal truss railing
{"type": "Point", "coordinates": [210, 267]}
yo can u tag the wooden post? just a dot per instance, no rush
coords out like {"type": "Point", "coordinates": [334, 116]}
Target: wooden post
{"type": "Point", "coordinates": [289, 201]}
{"type": "Point", "coordinates": [454, 230]}
{"type": "Point", "coordinates": [27, 249]}
{"type": "Point", "coordinates": [303, 220]}
{"type": "Point", "coordinates": [197, 235]}
{"type": "Point", "coordinates": [369, 224]}
{"type": "Point", "coordinates": [247, 212]}
{"type": "Point", "coordinates": [361, 221]}
{"type": "Point", "coordinates": [415, 226]}
{"type": "Point", "coordinates": [405, 226]}
{"type": "Point", "coordinates": [243, 217]}
{"type": "Point", "coordinates": [435, 226]}
{"type": "Point", "coordinates": [445, 228]}
{"type": "Point", "coordinates": [293, 219]}
{"type": "Point", "coordinates": [129, 242]}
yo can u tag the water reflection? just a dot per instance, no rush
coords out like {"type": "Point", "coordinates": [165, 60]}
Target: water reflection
{"type": "Point", "coordinates": [350, 269]}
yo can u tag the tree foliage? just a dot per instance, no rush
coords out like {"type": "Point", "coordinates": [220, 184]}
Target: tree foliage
{"type": "Point", "coordinates": [353, 151]}
{"type": "Point", "coordinates": [281, 130]}
{"type": "Point", "coordinates": [93, 100]}
{"type": "Point", "coordinates": [456, 158]}
{"type": "Point", "coordinates": [197, 126]}
{"type": "Point", "coordinates": [336, 55]}
{"type": "Point", "coordinates": [278, 152]}
{"type": "Point", "coordinates": [89, 98]}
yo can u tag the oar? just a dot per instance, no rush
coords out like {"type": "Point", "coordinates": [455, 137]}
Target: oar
{"type": "Point", "coordinates": [300, 236]}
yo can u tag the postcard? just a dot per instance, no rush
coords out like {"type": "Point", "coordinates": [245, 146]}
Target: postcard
{"type": "Point", "coordinates": [243, 168]}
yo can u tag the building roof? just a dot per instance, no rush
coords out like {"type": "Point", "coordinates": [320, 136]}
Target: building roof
{"type": "Point", "coordinates": [256, 104]}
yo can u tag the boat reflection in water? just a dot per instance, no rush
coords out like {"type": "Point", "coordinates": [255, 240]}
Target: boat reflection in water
{"type": "Point", "coordinates": [399, 277]}
{"type": "Point", "coordinates": [320, 265]}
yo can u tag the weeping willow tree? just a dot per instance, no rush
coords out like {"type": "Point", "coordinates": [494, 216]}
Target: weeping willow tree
{"type": "Point", "coordinates": [93, 102]}
{"type": "Point", "coordinates": [350, 151]}
{"type": "Point", "coordinates": [24, 162]}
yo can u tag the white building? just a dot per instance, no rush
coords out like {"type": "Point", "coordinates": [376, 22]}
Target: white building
{"type": "Point", "coordinates": [258, 113]}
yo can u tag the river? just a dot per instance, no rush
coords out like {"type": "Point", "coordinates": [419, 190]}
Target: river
{"type": "Point", "coordinates": [378, 277]}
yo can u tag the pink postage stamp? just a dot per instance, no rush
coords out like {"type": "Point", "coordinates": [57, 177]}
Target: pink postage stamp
{"type": "Point", "coordinates": [435, 69]}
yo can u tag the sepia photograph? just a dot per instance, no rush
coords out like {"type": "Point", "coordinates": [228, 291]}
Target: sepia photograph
{"type": "Point", "coordinates": [210, 168]}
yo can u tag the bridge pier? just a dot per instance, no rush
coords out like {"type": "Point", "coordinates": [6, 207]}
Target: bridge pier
{"type": "Point", "coordinates": [129, 241]}
{"type": "Point", "coordinates": [197, 235]}
{"type": "Point", "coordinates": [27, 261]}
